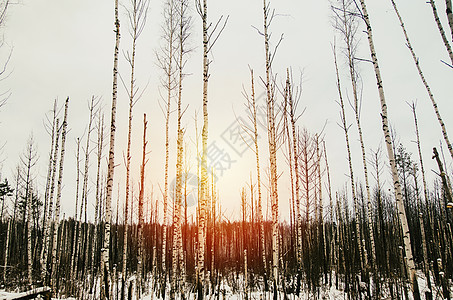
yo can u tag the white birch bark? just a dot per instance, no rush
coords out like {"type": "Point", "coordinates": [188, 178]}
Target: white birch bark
{"type": "Point", "coordinates": [110, 167]}
{"type": "Point", "coordinates": [391, 156]}
{"type": "Point", "coordinates": [270, 101]}
{"type": "Point", "coordinates": [441, 30]}
{"type": "Point", "coordinates": [204, 168]}
{"type": "Point", "coordinates": [449, 13]}
{"type": "Point", "coordinates": [141, 221]}
{"type": "Point", "coordinates": [57, 201]}
{"type": "Point", "coordinates": [46, 240]}
{"type": "Point", "coordinates": [8, 233]}
{"type": "Point", "coordinates": [425, 83]}
{"type": "Point", "coordinates": [47, 209]}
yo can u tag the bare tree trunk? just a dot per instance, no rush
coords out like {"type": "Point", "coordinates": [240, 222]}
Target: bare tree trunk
{"type": "Point", "coordinates": [167, 65]}
{"type": "Point", "coordinates": [422, 77]}
{"type": "Point", "coordinates": [110, 168]}
{"type": "Point", "coordinates": [76, 223]}
{"type": "Point", "coordinates": [203, 11]}
{"type": "Point", "coordinates": [141, 248]}
{"type": "Point", "coordinates": [449, 15]}
{"type": "Point", "coordinates": [425, 194]}
{"type": "Point", "coordinates": [182, 35]}
{"type": "Point", "coordinates": [292, 102]}
{"type": "Point", "coordinates": [391, 155]}
{"type": "Point", "coordinates": [443, 176]}
{"type": "Point", "coordinates": [270, 87]}
{"type": "Point", "coordinates": [29, 230]}
{"type": "Point", "coordinates": [100, 147]}
{"type": "Point", "coordinates": [46, 239]}
{"type": "Point", "coordinates": [53, 281]}
{"type": "Point", "coordinates": [441, 29]}
{"type": "Point", "coordinates": [8, 234]}
{"type": "Point", "coordinates": [251, 105]}
{"type": "Point", "coordinates": [345, 128]}
{"type": "Point", "coordinates": [84, 202]}
{"type": "Point", "coordinates": [47, 210]}
{"type": "Point", "coordinates": [350, 40]}
{"type": "Point", "coordinates": [333, 252]}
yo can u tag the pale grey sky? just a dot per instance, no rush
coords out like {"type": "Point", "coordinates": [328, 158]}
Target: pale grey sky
{"type": "Point", "coordinates": [65, 48]}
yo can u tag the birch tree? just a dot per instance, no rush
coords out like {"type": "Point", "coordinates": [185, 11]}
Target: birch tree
{"type": "Point", "coordinates": [28, 160]}
{"type": "Point", "coordinates": [441, 28]}
{"type": "Point", "coordinates": [425, 83]}
{"type": "Point", "coordinates": [137, 17]}
{"type": "Point", "coordinates": [52, 129]}
{"type": "Point", "coordinates": [209, 39]}
{"type": "Point", "coordinates": [99, 150]}
{"type": "Point", "coordinates": [53, 282]}
{"type": "Point", "coordinates": [347, 25]}
{"type": "Point", "coordinates": [84, 203]}
{"type": "Point", "coordinates": [48, 217]}
{"type": "Point", "coordinates": [184, 22]}
{"type": "Point", "coordinates": [272, 136]}
{"type": "Point", "coordinates": [141, 222]}
{"type": "Point", "coordinates": [253, 132]}
{"type": "Point", "coordinates": [166, 57]}
{"type": "Point", "coordinates": [391, 155]}
{"type": "Point", "coordinates": [345, 128]}
{"type": "Point", "coordinates": [110, 166]}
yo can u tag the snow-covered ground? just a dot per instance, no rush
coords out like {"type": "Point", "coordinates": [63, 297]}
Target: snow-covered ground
{"type": "Point", "coordinates": [226, 292]}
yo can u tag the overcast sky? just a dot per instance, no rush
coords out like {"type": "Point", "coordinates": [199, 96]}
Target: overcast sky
{"type": "Point", "coordinates": [65, 48]}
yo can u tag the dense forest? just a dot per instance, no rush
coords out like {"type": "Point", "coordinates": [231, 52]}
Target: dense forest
{"type": "Point", "coordinates": [385, 233]}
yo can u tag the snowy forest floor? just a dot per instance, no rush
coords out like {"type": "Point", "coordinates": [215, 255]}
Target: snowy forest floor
{"type": "Point", "coordinates": [234, 291]}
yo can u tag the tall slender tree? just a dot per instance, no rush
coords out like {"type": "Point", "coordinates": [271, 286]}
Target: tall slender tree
{"type": "Point", "coordinates": [183, 33]}
{"type": "Point", "coordinates": [141, 222]}
{"type": "Point", "coordinates": [345, 127]}
{"type": "Point", "coordinates": [166, 59]}
{"type": "Point", "coordinates": [425, 83]}
{"type": "Point", "coordinates": [391, 155]}
{"type": "Point", "coordinates": [209, 39]}
{"type": "Point", "coordinates": [272, 137]}
{"type": "Point", "coordinates": [48, 218]}
{"type": "Point", "coordinates": [53, 281]}
{"type": "Point", "coordinates": [137, 14]}
{"type": "Point", "coordinates": [110, 167]}
{"type": "Point", "coordinates": [441, 28]}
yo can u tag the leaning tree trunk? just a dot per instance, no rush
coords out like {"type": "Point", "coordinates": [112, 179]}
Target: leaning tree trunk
{"type": "Point", "coordinates": [449, 15]}
{"type": "Point", "coordinates": [391, 155]}
{"type": "Point", "coordinates": [441, 30]}
{"type": "Point", "coordinates": [110, 167]}
{"type": "Point", "coordinates": [422, 77]}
